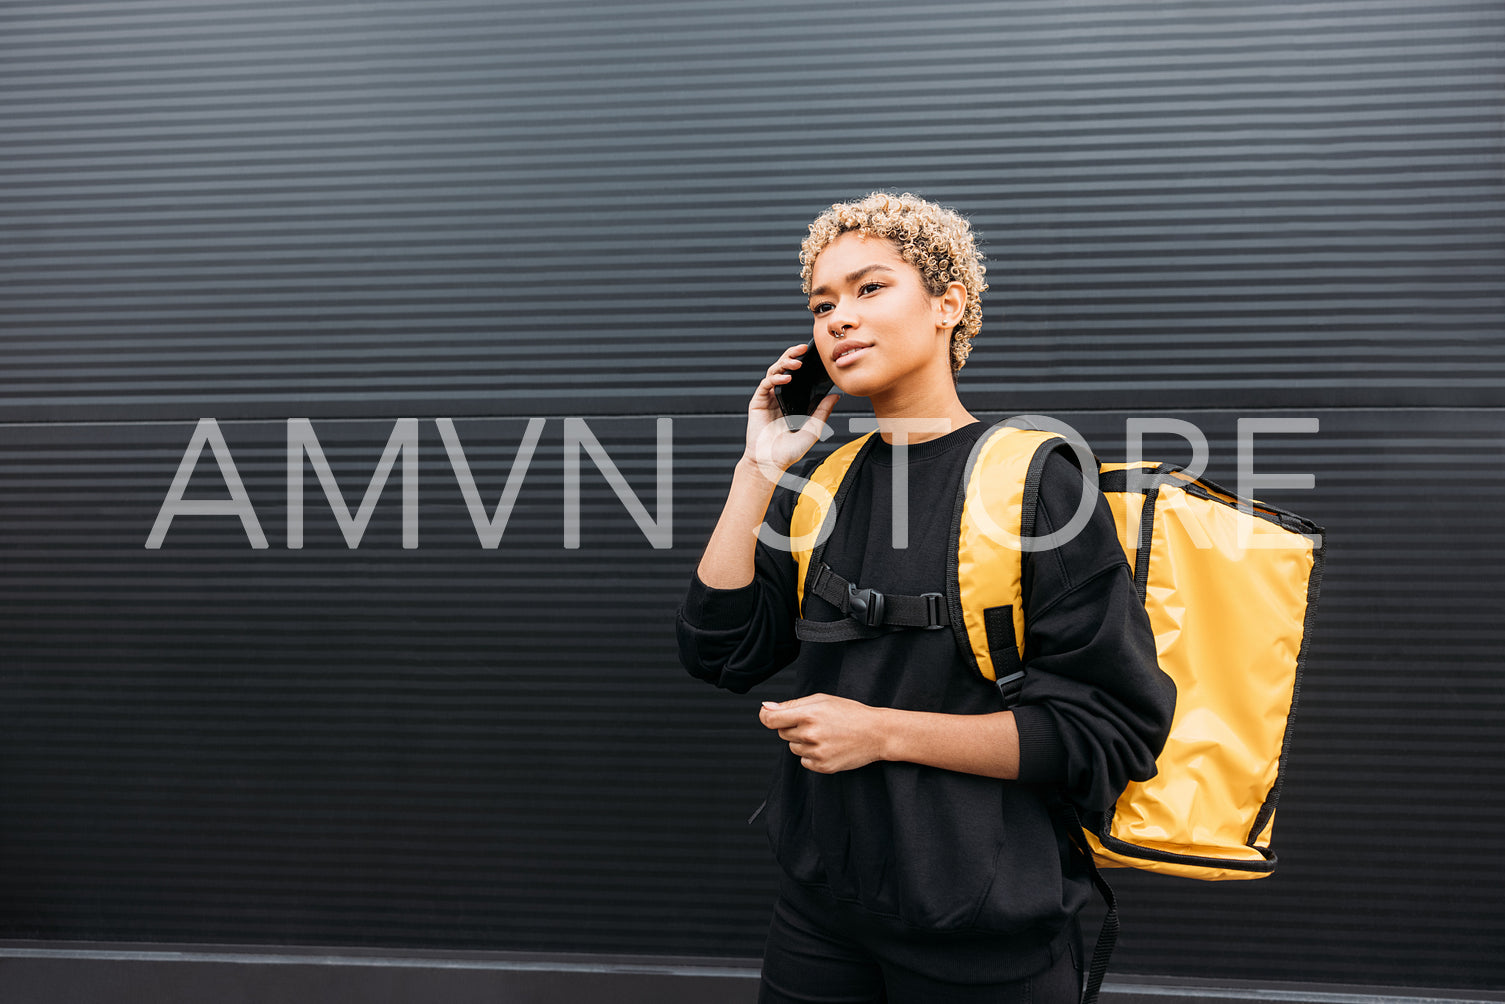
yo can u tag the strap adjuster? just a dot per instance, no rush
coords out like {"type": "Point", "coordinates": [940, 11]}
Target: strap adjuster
{"type": "Point", "coordinates": [866, 605]}
{"type": "Point", "coordinates": [935, 607]}
{"type": "Point", "coordinates": [1011, 688]}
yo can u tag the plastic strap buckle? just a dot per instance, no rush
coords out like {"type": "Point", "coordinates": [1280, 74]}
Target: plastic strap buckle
{"type": "Point", "coordinates": [935, 611]}
{"type": "Point", "coordinates": [1011, 687]}
{"type": "Point", "coordinates": [866, 605]}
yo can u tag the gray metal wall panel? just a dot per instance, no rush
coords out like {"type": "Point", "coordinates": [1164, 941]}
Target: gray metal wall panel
{"type": "Point", "coordinates": [494, 211]}
{"type": "Point", "coordinates": [255, 210]}
{"type": "Point", "coordinates": [210, 742]}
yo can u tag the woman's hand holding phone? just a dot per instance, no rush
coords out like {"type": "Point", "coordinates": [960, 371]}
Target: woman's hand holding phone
{"type": "Point", "coordinates": [772, 447]}
{"type": "Point", "coordinates": [769, 438]}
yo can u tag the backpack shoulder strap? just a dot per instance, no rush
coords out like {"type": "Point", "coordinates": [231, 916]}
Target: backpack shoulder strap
{"type": "Point", "coordinates": [994, 512]}
{"type": "Point", "coordinates": [815, 511]}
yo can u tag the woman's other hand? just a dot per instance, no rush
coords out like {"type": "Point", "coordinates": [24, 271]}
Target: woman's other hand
{"type": "Point", "coordinates": [828, 733]}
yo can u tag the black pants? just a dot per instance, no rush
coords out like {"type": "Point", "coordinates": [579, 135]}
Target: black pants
{"type": "Point", "coordinates": [811, 960]}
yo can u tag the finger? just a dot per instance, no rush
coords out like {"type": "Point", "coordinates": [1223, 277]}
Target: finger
{"type": "Point", "coordinates": [780, 719]}
{"type": "Point", "coordinates": [789, 357]}
{"type": "Point", "coordinates": [763, 399]}
{"type": "Point", "coordinates": [774, 377]}
{"type": "Point", "coordinates": [797, 702]}
{"type": "Point", "coordinates": [772, 715]}
{"type": "Point", "coordinates": [791, 719]}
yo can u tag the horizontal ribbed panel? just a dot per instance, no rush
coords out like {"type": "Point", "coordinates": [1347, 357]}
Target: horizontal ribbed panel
{"type": "Point", "coordinates": [453, 746]}
{"type": "Point", "coordinates": [256, 210]}
{"type": "Point", "coordinates": [497, 211]}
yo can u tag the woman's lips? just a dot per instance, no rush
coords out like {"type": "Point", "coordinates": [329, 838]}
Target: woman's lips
{"type": "Point", "coordinates": [850, 356]}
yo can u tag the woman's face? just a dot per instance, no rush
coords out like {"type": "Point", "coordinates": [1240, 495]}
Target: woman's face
{"type": "Point", "coordinates": [889, 326]}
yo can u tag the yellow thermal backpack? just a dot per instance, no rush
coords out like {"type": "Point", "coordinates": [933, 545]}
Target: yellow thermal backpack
{"type": "Point", "coordinates": [1230, 586]}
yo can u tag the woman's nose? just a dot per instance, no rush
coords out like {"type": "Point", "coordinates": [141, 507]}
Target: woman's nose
{"type": "Point", "coordinates": [840, 320]}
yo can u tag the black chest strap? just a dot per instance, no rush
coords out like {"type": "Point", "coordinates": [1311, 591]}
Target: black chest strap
{"type": "Point", "coordinates": [868, 613]}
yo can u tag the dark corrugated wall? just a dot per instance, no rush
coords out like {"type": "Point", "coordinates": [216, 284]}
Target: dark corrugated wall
{"type": "Point", "coordinates": [493, 212]}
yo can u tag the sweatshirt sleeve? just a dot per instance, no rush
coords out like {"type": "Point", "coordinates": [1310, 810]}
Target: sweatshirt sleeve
{"type": "Point", "coordinates": [737, 638]}
{"type": "Point", "coordinates": [1096, 708]}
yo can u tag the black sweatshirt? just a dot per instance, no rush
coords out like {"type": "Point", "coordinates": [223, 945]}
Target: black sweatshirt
{"type": "Point", "coordinates": [979, 862]}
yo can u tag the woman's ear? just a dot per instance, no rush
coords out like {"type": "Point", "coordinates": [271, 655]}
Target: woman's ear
{"type": "Point", "coordinates": [950, 306]}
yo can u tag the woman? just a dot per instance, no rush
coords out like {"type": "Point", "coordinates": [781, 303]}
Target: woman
{"type": "Point", "coordinates": [918, 828]}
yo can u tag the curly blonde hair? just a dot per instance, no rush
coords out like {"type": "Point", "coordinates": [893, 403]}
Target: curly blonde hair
{"type": "Point", "coordinates": [937, 241]}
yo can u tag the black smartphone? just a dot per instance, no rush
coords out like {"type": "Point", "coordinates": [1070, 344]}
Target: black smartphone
{"type": "Point", "coordinates": [807, 387]}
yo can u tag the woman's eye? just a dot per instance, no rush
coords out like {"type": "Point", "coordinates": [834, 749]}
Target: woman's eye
{"type": "Point", "coordinates": [820, 308]}
{"type": "Point", "coordinates": [871, 287]}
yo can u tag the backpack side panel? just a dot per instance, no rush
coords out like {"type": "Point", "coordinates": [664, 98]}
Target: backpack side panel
{"type": "Point", "coordinates": [1229, 590]}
